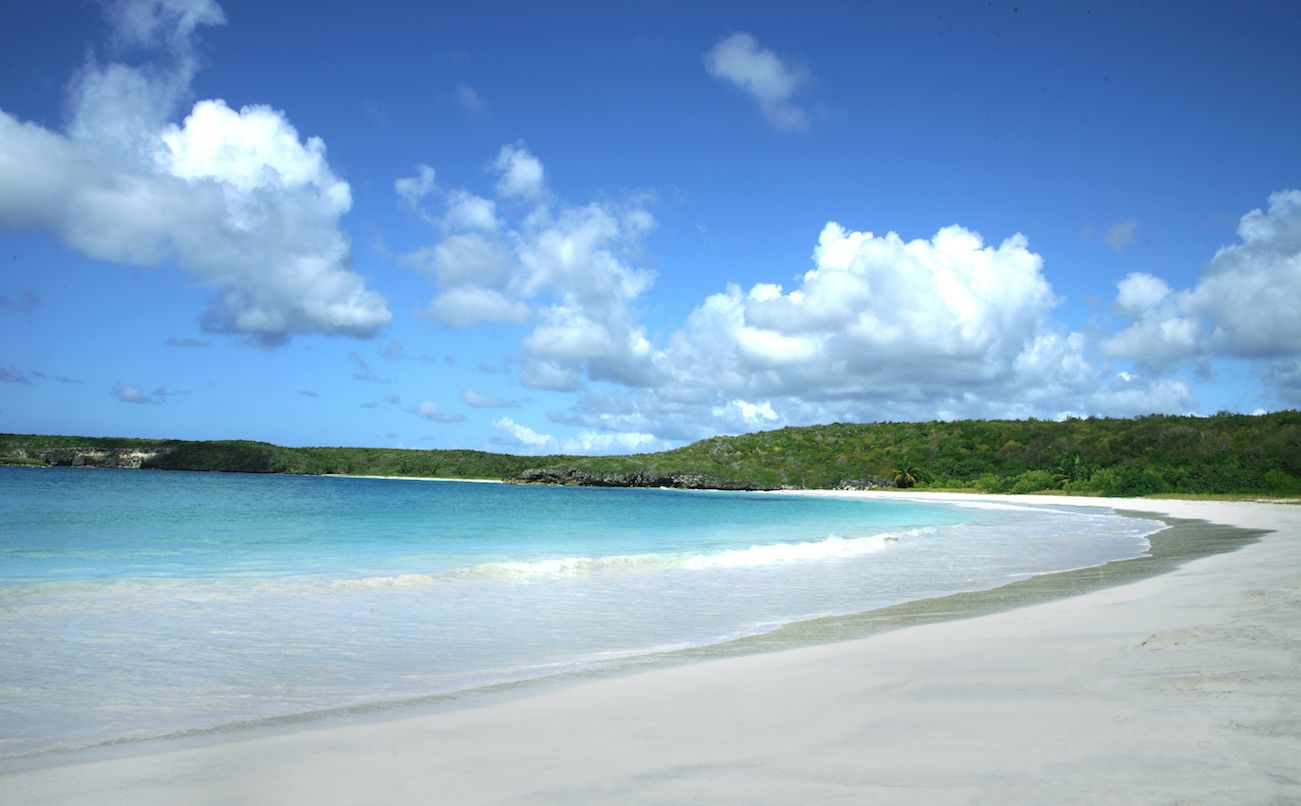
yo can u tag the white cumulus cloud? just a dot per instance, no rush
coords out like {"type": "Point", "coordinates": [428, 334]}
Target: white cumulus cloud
{"type": "Point", "coordinates": [881, 319]}
{"type": "Point", "coordinates": [564, 271]}
{"type": "Point", "coordinates": [236, 198]}
{"type": "Point", "coordinates": [414, 188]}
{"type": "Point", "coordinates": [1252, 290]}
{"type": "Point", "coordinates": [171, 22]}
{"type": "Point", "coordinates": [1245, 306]}
{"type": "Point", "coordinates": [525, 437]}
{"type": "Point", "coordinates": [1159, 334]}
{"type": "Point", "coordinates": [879, 328]}
{"type": "Point", "coordinates": [1126, 395]}
{"type": "Point", "coordinates": [463, 306]}
{"type": "Point", "coordinates": [524, 440]}
{"type": "Point", "coordinates": [521, 172]}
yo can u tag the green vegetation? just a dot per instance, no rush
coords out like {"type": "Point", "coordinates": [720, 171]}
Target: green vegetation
{"type": "Point", "coordinates": [906, 476]}
{"type": "Point", "coordinates": [1228, 454]}
{"type": "Point", "coordinates": [241, 456]}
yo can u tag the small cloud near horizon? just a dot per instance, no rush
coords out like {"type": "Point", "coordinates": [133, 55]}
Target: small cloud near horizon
{"type": "Point", "coordinates": [433, 412]}
{"type": "Point", "coordinates": [132, 393]}
{"type": "Point", "coordinates": [479, 401]}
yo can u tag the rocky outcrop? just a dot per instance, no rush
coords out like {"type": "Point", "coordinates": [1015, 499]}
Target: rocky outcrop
{"type": "Point", "coordinates": [573, 477]}
{"type": "Point", "coordinates": [874, 483]}
{"type": "Point", "coordinates": [677, 480]}
{"type": "Point", "coordinates": [92, 457]}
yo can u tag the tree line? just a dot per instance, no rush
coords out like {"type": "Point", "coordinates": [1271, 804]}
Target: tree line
{"type": "Point", "coordinates": [1223, 454]}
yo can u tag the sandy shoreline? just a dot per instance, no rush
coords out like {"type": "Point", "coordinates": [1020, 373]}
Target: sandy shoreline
{"type": "Point", "coordinates": [1180, 688]}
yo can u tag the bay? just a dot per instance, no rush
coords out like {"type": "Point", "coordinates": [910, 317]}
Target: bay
{"type": "Point", "coordinates": [142, 604]}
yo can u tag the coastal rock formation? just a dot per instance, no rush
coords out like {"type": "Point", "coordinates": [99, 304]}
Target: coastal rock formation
{"type": "Point", "coordinates": [874, 483]}
{"type": "Point", "coordinates": [89, 457]}
{"type": "Point", "coordinates": [677, 480]}
{"type": "Point", "coordinates": [573, 477]}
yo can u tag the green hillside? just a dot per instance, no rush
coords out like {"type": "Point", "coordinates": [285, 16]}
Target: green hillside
{"type": "Point", "coordinates": [1227, 453]}
{"type": "Point", "coordinates": [1224, 454]}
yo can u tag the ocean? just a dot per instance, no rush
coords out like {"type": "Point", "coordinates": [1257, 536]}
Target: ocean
{"type": "Point", "coordinates": [139, 605]}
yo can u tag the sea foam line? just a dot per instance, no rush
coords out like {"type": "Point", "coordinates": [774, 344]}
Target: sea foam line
{"type": "Point", "coordinates": [832, 547]}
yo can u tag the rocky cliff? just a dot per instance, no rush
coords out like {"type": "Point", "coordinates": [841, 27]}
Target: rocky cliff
{"type": "Point", "coordinates": [573, 477]}
{"type": "Point", "coordinates": [89, 457]}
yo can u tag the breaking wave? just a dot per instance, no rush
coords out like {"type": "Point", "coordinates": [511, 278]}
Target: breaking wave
{"type": "Point", "coordinates": [831, 548]}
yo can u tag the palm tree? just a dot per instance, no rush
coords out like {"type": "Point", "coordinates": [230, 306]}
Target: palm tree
{"type": "Point", "coordinates": [1069, 470]}
{"type": "Point", "coordinates": [906, 476]}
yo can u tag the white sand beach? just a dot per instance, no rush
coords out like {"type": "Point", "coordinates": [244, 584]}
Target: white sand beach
{"type": "Point", "coordinates": [1181, 688]}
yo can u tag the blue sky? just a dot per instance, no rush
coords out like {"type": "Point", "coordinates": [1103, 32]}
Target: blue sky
{"type": "Point", "coordinates": [612, 228]}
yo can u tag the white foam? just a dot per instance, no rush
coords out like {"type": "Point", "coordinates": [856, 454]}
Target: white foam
{"type": "Point", "coordinates": [563, 565]}
{"type": "Point", "coordinates": [398, 581]}
{"type": "Point", "coordinates": [1004, 506]}
{"type": "Point", "coordinates": [572, 566]}
{"type": "Point", "coordinates": [830, 548]}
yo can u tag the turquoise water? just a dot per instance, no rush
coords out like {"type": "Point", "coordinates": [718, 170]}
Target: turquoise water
{"type": "Point", "coordinates": [137, 604]}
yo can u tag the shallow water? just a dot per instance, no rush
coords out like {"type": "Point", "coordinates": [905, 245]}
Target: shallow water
{"type": "Point", "coordinates": [138, 603]}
